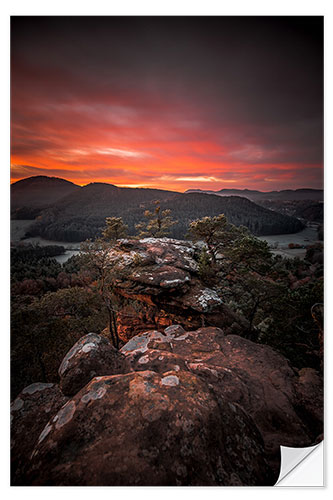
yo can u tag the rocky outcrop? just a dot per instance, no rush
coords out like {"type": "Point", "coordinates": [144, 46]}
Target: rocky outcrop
{"type": "Point", "coordinates": [310, 399]}
{"type": "Point", "coordinates": [162, 287]}
{"type": "Point", "coordinates": [29, 413]}
{"type": "Point", "coordinates": [144, 428]}
{"type": "Point", "coordinates": [91, 355]}
{"type": "Point", "coordinates": [194, 408]}
{"type": "Point", "coordinates": [283, 403]}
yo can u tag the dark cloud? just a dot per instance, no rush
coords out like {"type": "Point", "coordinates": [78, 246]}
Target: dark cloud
{"type": "Point", "coordinates": [251, 85]}
{"type": "Point", "coordinates": [19, 171]}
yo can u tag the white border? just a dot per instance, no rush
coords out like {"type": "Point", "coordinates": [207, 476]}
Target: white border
{"type": "Point", "coordinates": [150, 7]}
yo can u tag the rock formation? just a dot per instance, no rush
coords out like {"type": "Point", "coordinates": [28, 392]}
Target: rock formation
{"type": "Point", "coordinates": [92, 355]}
{"type": "Point", "coordinates": [29, 414]}
{"type": "Point", "coordinates": [194, 408]}
{"type": "Point", "coordinates": [162, 287]}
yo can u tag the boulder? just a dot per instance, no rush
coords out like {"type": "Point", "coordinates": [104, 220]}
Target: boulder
{"type": "Point", "coordinates": [29, 413]}
{"type": "Point", "coordinates": [158, 361]}
{"type": "Point", "coordinates": [148, 429]}
{"type": "Point", "coordinates": [163, 287]}
{"type": "Point", "coordinates": [91, 355]}
{"type": "Point", "coordinates": [164, 276]}
{"type": "Point", "coordinates": [146, 340]}
{"type": "Point", "coordinates": [286, 407]}
{"type": "Point", "coordinates": [174, 330]}
{"type": "Point", "coordinates": [190, 408]}
{"type": "Point", "coordinates": [310, 399]}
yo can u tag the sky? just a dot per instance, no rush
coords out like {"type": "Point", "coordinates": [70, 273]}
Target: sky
{"type": "Point", "coordinates": [169, 102]}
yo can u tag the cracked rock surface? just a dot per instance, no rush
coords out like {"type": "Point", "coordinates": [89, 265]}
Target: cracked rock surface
{"type": "Point", "coordinates": [162, 280]}
{"type": "Point", "coordinates": [91, 355]}
{"type": "Point", "coordinates": [194, 407]}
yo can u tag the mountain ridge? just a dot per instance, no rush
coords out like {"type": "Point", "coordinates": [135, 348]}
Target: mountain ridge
{"type": "Point", "coordinates": [39, 191]}
{"type": "Point", "coordinates": [228, 191]}
{"type": "Point", "coordinates": [76, 213]}
{"type": "Point", "coordinates": [252, 194]}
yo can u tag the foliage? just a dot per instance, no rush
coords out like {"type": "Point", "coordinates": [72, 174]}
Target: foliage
{"type": "Point", "coordinates": [44, 329]}
{"type": "Point", "coordinates": [53, 304]}
{"type": "Point", "coordinates": [320, 232]}
{"type": "Point", "coordinates": [28, 251]}
{"type": "Point", "coordinates": [83, 215]}
{"type": "Point", "coordinates": [34, 261]}
{"type": "Point", "coordinates": [309, 210]}
{"type": "Point", "coordinates": [216, 232]}
{"type": "Point", "coordinates": [73, 264]}
{"type": "Point", "coordinates": [206, 270]}
{"type": "Point", "coordinates": [293, 330]}
{"type": "Point", "coordinates": [115, 229]}
{"type": "Point", "coordinates": [248, 253]}
{"type": "Point", "coordinates": [158, 224]}
{"type": "Point", "coordinates": [273, 294]}
{"type": "Point", "coordinates": [25, 213]}
{"type": "Point", "coordinates": [105, 272]}
{"type": "Point", "coordinates": [51, 307]}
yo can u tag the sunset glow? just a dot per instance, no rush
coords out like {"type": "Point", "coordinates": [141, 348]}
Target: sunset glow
{"type": "Point", "coordinates": [124, 102]}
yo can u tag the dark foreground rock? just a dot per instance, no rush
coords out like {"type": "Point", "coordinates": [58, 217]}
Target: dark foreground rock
{"type": "Point", "coordinates": [285, 405]}
{"type": "Point", "coordinates": [194, 408]}
{"type": "Point", "coordinates": [310, 402]}
{"type": "Point", "coordinates": [29, 413]}
{"type": "Point", "coordinates": [149, 429]}
{"type": "Point", "coordinates": [91, 355]}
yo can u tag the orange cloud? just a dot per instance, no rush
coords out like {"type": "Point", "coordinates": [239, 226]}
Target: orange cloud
{"type": "Point", "coordinates": [168, 102]}
{"type": "Point", "coordinates": [129, 140]}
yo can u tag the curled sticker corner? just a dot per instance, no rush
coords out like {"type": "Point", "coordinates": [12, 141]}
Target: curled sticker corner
{"type": "Point", "coordinates": [294, 466]}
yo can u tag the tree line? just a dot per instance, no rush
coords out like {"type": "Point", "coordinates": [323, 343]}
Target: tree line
{"type": "Point", "coordinates": [80, 222]}
{"type": "Point", "coordinates": [53, 305]}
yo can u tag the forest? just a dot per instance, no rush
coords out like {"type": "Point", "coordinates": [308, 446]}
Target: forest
{"type": "Point", "coordinates": [62, 211]}
{"type": "Point", "coordinates": [53, 305]}
{"type": "Point", "coordinates": [312, 211]}
{"type": "Point", "coordinates": [84, 217]}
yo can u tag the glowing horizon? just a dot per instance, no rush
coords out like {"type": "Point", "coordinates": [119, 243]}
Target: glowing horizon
{"type": "Point", "coordinates": [98, 100]}
{"type": "Point", "coordinates": [151, 186]}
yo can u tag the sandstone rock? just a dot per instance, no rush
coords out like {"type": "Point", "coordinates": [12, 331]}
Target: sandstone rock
{"type": "Point", "coordinates": [194, 408]}
{"type": "Point", "coordinates": [202, 299]}
{"type": "Point", "coordinates": [166, 276]}
{"type": "Point", "coordinates": [29, 413]}
{"type": "Point", "coordinates": [311, 394]}
{"type": "Point", "coordinates": [254, 376]}
{"type": "Point", "coordinates": [163, 279]}
{"type": "Point", "coordinates": [166, 251]}
{"type": "Point", "coordinates": [174, 330]}
{"type": "Point", "coordinates": [139, 343]}
{"type": "Point", "coordinates": [91, 355]}
{"type": "Point", "coordinates": [146, 429]}
{"type": "Point", "coordinates": [158, 361]}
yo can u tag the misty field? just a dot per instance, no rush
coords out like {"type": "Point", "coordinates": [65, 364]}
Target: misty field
{"type": "Point", "coordinates": [279, 242]}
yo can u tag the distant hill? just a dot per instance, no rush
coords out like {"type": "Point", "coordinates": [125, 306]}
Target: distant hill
{"type": "Point", "coordinates": [285, 195]}
{"type": "Point", "coordinates": [309, 210]}
{"type": "Point", "coordinates": [239, 211]}
{"type": "Point", "coordinates": [38, 192]}
{"type": "Point", "coordinates": [81, 213]}
{"type": "Point", "coordinates": [102, 199]}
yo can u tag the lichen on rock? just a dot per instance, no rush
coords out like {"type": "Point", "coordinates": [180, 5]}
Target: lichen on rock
{"type": "Point", "coordinates": [188, 401]}
{"type": "Point", "coordinates": [162, 277]}
{"type": "Point", "coordinates": [92, 355]}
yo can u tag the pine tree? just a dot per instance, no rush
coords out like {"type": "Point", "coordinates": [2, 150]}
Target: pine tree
{"type": "Point", "coordinates": [158, 224]}
{"type": "Point", "coordinates": [114, 229]}
{"type": "Point", "coordinates": [216, 232]}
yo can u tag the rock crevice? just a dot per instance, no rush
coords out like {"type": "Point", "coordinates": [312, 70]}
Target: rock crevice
{"type": "Point", "coordinates": [162, 287]}
{"type": "Point", "coordinates": [177, 407]}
